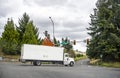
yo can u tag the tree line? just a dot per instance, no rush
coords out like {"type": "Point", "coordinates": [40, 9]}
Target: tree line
{"type": "Point", "coordinates": [14, 36]}
{"type": "Point", "coordinates": [105, 31]}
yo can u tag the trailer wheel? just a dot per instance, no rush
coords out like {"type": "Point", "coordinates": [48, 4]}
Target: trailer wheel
{"type": "Point", "coordinates": [36, 63]}
{"type": "Point", "coordinates": [71, 63]}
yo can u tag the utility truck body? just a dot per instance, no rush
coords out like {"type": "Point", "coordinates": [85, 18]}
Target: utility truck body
{"type": "Point", "coordinates": [39, 53]}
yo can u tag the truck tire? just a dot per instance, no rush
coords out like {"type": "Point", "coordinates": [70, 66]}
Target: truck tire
{"type": "Point", "coordinates": [71, 64]}
{"type": "Point", "coordinates": [36, 63]}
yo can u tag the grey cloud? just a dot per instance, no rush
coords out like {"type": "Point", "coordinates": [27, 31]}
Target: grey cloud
{"type": "Point", "coordinates": [46, 2]}
{"type": "Point", "coordinates": [72, 36]}
{"type": "Point", "coordinates": [4, 11]}
{"type": "Point", "coordinates": [44, 23]}
{"type": "Point", "coordinates": [2, 2]}
{"type": "Point", "coordinates": [74, 26]}
{"type": "Point", "coordinates": [73, 33]}
{"type": "Point", "coordinates": [72, 23]}
{"type": "Point", "coordinates": [74, 29]}
{"type": "Point", "coordinates": [7, 7]}
{"type": "Point", "coordinates": [1, 27]}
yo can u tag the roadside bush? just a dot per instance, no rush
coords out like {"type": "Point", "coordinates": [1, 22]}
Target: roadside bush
{"type": "Point", "coordinates": [79, 55]}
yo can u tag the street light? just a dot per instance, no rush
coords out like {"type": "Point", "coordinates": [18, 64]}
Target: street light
{"type": "Point", "coordinates": [53, 26]}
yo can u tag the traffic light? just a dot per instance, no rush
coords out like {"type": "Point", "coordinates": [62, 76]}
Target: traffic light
{"type": "Point", "coordinates": [88, 41]}
{"type": "Point", "coordinates": [46, 33]}
{"type": "Point", "coordinates": [74, 42]}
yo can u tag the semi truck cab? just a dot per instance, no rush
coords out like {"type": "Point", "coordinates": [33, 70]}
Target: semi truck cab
{"type": "Point", "coordinates": [68, 60]}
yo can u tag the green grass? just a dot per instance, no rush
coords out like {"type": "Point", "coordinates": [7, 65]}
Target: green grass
{"type": "Point", "coordinates": [80, 58]}
{"type": "Point", "coordinates": [10, 56]}
{"type": "Point", "coordinates": [111, 64]}
{"type": "Point", "coordinates": [105, 64]}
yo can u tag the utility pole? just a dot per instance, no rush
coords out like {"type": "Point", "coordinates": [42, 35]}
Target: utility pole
{"type": "Point", "coordinates": [53, 27]}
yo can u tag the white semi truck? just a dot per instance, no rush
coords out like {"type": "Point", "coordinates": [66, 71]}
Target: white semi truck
{"type": "Point", "coordinates": [39, 53]}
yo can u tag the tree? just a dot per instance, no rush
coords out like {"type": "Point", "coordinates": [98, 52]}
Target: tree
{"type": "Point", "coordinates": [56, 43]}
{"type": "Point", "coordinates": [105, 30]}
{"type": "Point", "coordinates": [29, 37]}
{"type": "Point", "coordinates": [35, 30]}
{"type": "Point", "coordinates": [27, 31]}
{"type": "Point", "coordinates": [24, 24]}
{"type": "Point", "coordinates": [9, 40]}
{"type": "Point", "coordinates": [66, 44]}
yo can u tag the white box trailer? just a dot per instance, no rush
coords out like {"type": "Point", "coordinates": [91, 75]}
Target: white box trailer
{"type": "Point", "coordinates": [40, 53]}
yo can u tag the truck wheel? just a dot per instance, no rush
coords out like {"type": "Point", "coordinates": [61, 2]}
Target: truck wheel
{"type": "Point", "coordinates": [71, 63]}
{"type": "Point", "coordinates": [36, 63]}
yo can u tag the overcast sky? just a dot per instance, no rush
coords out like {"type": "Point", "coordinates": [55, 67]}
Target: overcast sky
{"type": "Point", "coordinates": [71, 17]}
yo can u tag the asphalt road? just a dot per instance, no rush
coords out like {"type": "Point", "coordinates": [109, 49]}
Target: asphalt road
{"type": "Point", "coordinates": [80, 70]}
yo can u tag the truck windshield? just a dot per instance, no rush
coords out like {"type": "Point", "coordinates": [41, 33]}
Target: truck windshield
{"type": "Point", "coordinates": [66, 55]}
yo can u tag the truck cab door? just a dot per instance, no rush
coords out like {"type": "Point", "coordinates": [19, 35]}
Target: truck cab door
{"type": "Point", "coordinates": [66, 59]}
